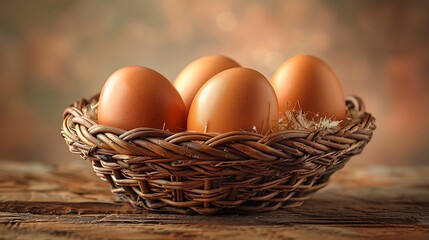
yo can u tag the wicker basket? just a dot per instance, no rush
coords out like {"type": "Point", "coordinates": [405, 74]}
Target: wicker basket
{"type": "Point", "coordinates": [201, 173]}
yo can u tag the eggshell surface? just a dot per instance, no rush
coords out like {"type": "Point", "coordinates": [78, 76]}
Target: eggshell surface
{"type": "Point", "coordinates": [237, 99]}
{"type": "Point", "coordinates": [193, 76]}
{"type": "Point", "coordinates": [136, 96]}
{"type": "Point", "coordinates": [306, 82]}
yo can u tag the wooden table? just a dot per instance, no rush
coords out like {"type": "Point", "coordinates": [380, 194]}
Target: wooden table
{"type": "Point", "coordinates": [42, 201]}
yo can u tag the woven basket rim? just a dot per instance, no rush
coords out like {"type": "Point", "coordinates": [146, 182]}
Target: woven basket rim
{"type": "Point", "coordinates": [352, 102]}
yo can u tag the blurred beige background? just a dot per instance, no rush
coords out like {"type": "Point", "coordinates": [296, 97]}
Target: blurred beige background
{"type": "Point", "coordinates": [54, 52]}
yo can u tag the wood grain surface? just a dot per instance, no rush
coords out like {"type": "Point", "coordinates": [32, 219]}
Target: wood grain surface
{"type": "Point", "coordinates": [41, 201]}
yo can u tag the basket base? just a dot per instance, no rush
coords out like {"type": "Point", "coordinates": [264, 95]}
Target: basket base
{"type": "Point", "coordinates": [282, 200]}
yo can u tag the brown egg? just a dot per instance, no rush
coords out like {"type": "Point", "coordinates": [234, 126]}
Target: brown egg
{"type": "Point", "coordinates": [137, 96]}
{"type": "Point", "coordinates": [308, 83]}
{"type": "Point", "coordinates": [234, 100]}
{"type": "Point", "coordinates": [193, 76]}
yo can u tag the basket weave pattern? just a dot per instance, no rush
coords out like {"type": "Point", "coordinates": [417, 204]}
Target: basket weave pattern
{"type": "Point", "coordinates": [201, 173]}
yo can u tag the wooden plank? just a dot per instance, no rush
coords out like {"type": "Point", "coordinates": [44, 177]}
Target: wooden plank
{"type": "Point", "coordinates": [100, 227]}
{"type": "Point", "coordinates": [40, 201]}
